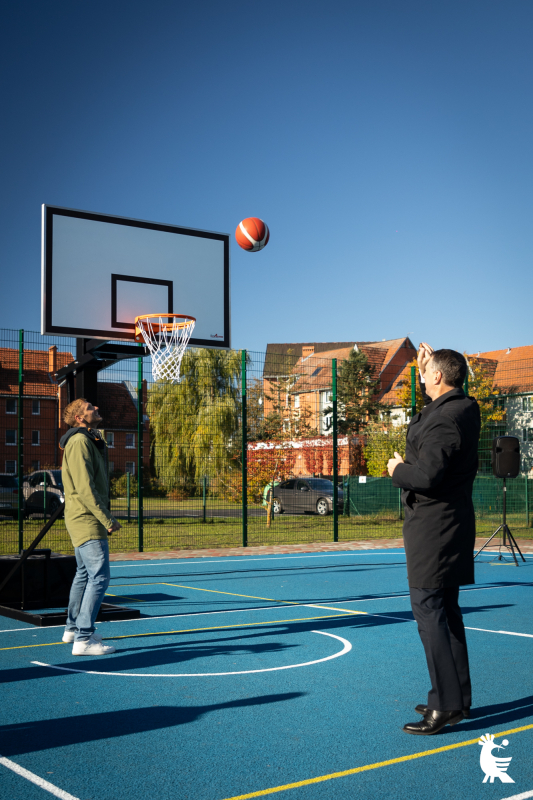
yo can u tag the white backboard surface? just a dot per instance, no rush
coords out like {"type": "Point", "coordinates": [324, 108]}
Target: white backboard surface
{"type": "Point", "coordinates": [99, 272]}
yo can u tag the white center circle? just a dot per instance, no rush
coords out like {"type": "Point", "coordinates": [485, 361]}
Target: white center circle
{"type": "Point", "coordinates": [346, 649]}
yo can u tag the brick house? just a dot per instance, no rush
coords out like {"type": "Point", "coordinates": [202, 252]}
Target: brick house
{"type": "Point", "coordinates": [511, 370]}
{"type": "Point", "coordinates": [298, 377]}
{"type": "Point", "coordinates": [43, 403]}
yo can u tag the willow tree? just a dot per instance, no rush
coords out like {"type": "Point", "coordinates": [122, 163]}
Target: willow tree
{"type": "Point", "coordinates": [193, 423]}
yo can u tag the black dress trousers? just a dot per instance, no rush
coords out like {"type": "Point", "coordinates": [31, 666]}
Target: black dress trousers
{"type": "Point", "coordinates": [441, 629]}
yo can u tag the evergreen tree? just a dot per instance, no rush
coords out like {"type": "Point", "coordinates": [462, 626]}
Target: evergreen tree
{"type": "Point", "coordinates": [357, 394]}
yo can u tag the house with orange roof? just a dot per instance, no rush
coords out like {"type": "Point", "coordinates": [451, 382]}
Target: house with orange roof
{"type": "Point", "coordinates": [43, 402]}
{"type": "Point", "coordinates": [511, 370]}
{"type": "Point", "coordinates": [298, 377]}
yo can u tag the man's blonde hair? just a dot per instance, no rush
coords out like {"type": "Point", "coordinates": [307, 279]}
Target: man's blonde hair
{"type": "Point", "coordinates": [73, 409]}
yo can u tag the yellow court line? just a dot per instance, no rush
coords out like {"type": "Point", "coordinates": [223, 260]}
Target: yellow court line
{"type": "Point", "coordinates": [367, 767]}
{"type": "Point", "coordinates": [188, 630]}
{"type": "Point", "coordinates": [233, 594]}
{"type": "Point", "coordinates": [346, 610]}
{"type": "Point", "coordinates": [124, 597]}
{"type": "Point", "coordinates": [123, 585]}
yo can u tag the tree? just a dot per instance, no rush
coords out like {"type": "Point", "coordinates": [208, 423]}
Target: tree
{"type": "Point", "coordinates": [489, 397]}
{"type": "Point", "coordinates": [382, 441]}
{"type": "Point", "coordinates": [357, 394]}
{"type": "Point", "coordinates": [404, 395]}
{"type": "Point", "coordinates": [194, 422]}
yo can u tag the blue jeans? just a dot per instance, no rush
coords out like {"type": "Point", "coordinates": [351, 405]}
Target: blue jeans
{"type": "Point", "coordinates": [88, 587]}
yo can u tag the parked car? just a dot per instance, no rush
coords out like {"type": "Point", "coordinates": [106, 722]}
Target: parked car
{"type": "Point", "coordinates": [9, 490]}
{"type": "Point", "coordinates": [301, 495]}
{"type": "Point", "coordinates": [33, 489]}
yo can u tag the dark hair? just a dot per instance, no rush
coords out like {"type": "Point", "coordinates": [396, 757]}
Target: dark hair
{"type": "Point", "coordinates": [452, 365]}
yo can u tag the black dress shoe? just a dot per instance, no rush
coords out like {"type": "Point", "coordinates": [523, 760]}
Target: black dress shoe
{"type": "Point", "coordinates": [421, 709]}
{"type": "Point", "coordinates": [433, 722]}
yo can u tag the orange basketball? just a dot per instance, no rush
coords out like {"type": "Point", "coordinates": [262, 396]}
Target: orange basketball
{"type": "Point", "coordinates": [252, 234]}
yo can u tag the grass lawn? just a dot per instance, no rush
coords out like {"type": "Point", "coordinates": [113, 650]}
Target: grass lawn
{"type": "Point", "coordinates": [186, 533]}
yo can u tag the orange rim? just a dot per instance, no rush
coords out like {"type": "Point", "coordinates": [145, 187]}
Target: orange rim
{"type": "Point", "coordinates": [157, 327]}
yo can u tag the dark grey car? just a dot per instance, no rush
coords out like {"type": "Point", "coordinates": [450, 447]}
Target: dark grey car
{"type": "Point", "coordinates": [8, 495]}
{"type": "Point", "coordinates": [301, 495]}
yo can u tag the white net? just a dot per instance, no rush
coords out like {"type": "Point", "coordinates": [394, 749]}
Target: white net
{"type": "Point", "coordinates": [167, 342]}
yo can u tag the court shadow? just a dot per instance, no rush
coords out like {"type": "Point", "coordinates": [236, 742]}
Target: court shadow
{"type": "Point", "coordinates": [30, 737]}
{"type": "Point", "coordinates": [496, 715]}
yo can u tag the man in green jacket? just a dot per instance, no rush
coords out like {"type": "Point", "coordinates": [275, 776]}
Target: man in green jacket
{"type": "Point", "coordinates": [88, 522]}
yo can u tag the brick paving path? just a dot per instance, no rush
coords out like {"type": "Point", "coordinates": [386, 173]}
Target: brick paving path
{"type": "Point", "coordinates": [525, 545]}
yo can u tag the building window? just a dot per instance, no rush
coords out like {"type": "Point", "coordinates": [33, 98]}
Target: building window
{"type": "Point", "coordinates": [527, 403]}
{"type": "Point", "coordinates": [35, 438]}
{"type": "Point", "coordinates": [11, 406]}
{"type": "Point", "coordinates": [111, 466]}
{"type": "Point", "coordinates": [130, 440]}
{"type": "Point", "coordinates": [296, 401]}
{"type": "Point", "coordinates": [110, 436]}
{"type": "Point", "coordinates": [130, 467]}
{"type": "Point", "coordinates": [527, 434]}
{"type": "Point", "coordinates": [11, 436]}
{"type": "Point", "coordinates": [499, 402]}
{"type": "Point", "coordinates": [11, 467]}
{"type": "Point", "coordinates": [35, 407]}
{"type": "Point", "coordinates": [35, 465]}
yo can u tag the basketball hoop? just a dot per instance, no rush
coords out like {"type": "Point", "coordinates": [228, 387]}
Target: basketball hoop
{"type": "Point", "coordinates": [166, 341]}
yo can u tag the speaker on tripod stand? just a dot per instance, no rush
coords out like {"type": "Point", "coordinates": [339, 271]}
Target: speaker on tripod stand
{"type": "Point", "coordinates": [505, 459]}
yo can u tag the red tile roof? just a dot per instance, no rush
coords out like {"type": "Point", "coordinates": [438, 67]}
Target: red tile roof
{"type": "Point", "coordinates": [512, 369]}
{"type": "Point", "coordinates": [38, 381]}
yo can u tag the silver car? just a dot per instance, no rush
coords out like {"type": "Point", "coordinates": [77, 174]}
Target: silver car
{"type": "Point", "coordinates": [33, 488]}
{"type": "Point", "coordinates": [301, 495]}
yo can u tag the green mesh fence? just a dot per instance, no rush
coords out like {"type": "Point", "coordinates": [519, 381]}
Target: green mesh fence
{"type": "Point", "coordinates": [190, 465]}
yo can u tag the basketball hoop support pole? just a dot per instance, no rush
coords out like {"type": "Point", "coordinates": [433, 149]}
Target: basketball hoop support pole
{"type": "Point", "coordinates": [140, 474]}
{"type": "Point", "coordinates": [335, 463]}
{"type": "Point", "coordinates": [244, 453]}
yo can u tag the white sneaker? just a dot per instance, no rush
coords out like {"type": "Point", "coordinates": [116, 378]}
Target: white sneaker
{"type": "Point", "coordinates": [92, 648]}
{"type": "Point", "coordinates": [68, 636]}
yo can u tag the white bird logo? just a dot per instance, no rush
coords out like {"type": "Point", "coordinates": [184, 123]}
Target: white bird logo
{"type": "Point", "coordinates": [493, 767]}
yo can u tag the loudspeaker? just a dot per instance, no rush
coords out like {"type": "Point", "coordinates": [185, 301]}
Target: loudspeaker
{"type": "Point", "coordinates": [505, 456]}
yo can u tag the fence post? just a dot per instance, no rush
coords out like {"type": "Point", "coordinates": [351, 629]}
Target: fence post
{"type": "Point", "coordinates": [44, 495]}
{"type": "Point", "coordinates": [128, 495]}
{"type": "Point", "coordinates": [335, 465]}
{"type": "Point", "coordinates": [400, 504]}
{"type": "Point", "coordinates": [527, 503]}
{"type": "Point", "coordinates": [140, 423]}
{"type": "Point", "coordinates": [413, 391]}
{"type": "Point", "coordinates": [244, 454]}
{"type": "Point", "coordinates": [204, 494]}
{"type": "Point", "coordinates": [20, 442]}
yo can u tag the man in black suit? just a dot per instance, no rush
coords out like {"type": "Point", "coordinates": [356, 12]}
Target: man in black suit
{"type": "Point", "coordinates": [439, 529]}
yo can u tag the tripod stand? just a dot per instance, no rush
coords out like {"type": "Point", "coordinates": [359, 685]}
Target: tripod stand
{"type": "Point", "coordinates": [506, 533]}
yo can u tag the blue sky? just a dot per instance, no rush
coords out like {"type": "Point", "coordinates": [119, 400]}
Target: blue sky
{"type": "Point", "coordinates": [387, 144]}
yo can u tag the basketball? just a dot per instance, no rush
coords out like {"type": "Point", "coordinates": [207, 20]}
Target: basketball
{"type": "Point", "coordinates": [252, 234]}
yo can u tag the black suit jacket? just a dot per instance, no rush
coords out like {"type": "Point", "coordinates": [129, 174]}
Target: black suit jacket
{"type": "Point", "coordinates": [437, 478]}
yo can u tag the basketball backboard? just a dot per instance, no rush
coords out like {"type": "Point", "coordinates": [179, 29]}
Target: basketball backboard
{"type": "Point", "coordinates": [99, 272]}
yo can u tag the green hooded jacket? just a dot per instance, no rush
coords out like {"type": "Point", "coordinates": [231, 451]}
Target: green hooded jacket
{"type": "Point", "coordinates": [87, 515]}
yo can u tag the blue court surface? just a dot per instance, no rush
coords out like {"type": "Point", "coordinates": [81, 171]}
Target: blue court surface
{"type": "Point", "coordinates": [289, 675]}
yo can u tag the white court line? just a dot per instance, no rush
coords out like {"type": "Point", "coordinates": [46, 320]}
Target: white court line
{"type": "Point", "coordinates": [522, 796]}
{"type": "Point", "coordinates": [269, 608]}
{"type": "Point", "coordinates": [48, 787]}
{"type": "Point", "coordinates": [507, 633]}
{"type": "Point", "coordinates": [346, 649]}
{"type": "Point", "coordinates": [246, 559]}
{"type": "Point", "coordinates": [198, 560]}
